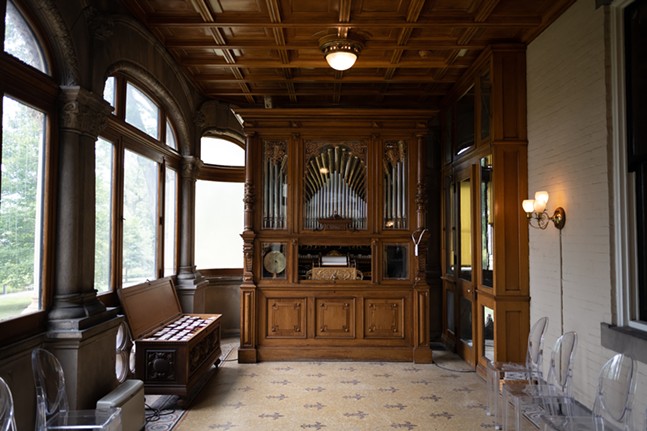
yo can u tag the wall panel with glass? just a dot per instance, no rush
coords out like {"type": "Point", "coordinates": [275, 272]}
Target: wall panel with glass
{"type": "Point", "coordinates": [467, 328]}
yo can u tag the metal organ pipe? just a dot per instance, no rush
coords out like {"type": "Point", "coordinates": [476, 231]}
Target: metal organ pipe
{"type": "Point", "coordinates": [335, 185]}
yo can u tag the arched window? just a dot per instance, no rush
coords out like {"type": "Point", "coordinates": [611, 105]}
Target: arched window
{"type": "Point", "coordinates": [219, 196]}
{"type": "Point", "coordinates": [25, 178]}
{"type": "Point", "coordinates": [136, 188]}
{"type": "Point", "coordinates": [217, 151]}
{"type": "Point", "coordinates": [20, 40]}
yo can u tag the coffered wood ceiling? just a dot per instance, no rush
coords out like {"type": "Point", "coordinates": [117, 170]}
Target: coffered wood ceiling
{"type": "Point", "coordinates": [255, 53]}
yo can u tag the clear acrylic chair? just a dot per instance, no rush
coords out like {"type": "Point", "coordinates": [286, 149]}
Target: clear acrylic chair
{"type": "Point", "coordinates": [613, 401]}
{"type": "Point", "coordinates": [525, 398]}
{"type": "Point", "coordinates": [52, 408]}
{"type": "Point", "coordinates": [503, 372]}
{"type": "Point", "coordinates": [7, 419]}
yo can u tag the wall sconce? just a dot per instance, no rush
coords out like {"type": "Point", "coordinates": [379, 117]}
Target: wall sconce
{"type": "Point", "coordinates": [536, 212]}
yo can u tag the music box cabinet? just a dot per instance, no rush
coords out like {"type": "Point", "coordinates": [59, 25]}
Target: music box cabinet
{"type": "Point", "coordinates": [173, 351]}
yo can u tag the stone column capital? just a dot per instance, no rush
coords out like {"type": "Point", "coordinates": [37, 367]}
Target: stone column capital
{"type": "Point", "coordinates": [190, 167]}
{"type": "Point", "coordinates": [83, 112]}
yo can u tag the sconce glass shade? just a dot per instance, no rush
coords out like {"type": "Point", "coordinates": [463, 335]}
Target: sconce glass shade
{"type": "Point", "coordinates": [541, 199]}
{"type": "Point", "coordinates": [341, 60]}
{"type": "Point", "coordinates": [528, 205]}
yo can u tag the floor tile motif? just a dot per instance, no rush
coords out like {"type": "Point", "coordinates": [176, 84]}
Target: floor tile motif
{"type": "Point", "coordinates": [340, 396]}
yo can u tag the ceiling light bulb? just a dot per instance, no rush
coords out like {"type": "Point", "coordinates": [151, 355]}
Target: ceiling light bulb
{"type": "Point", "coordinates": [341, 60]}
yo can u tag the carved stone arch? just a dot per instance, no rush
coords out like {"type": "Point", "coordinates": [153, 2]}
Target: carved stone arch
{"type": "Point", "coordinates": [215, 118]}
{"type": "Point", "coordinates": [60, 44]}
{"type": "Point", "coordinates": [171, 107]}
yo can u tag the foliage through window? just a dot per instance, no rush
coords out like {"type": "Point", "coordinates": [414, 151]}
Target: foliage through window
{"type": "Point", "coordinates": [136, 191]}
{"type": "Point", "coordinates": [20, 41]}
{"type": "Point", "coordinates": [140, 219]}
{"type": "Point", "coordinates": [23, 139]}
{"type": "Point", "coordinates": [103, 214]}
{"type": "Point", "coordinates": [23, 143]}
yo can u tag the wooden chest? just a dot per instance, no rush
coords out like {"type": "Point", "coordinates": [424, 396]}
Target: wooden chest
{"type": "Point", "coordinates": [173, 351]}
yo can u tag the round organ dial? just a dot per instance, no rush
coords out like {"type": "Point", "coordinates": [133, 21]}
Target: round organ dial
{"type": "Point", "coordinates": [274, 262]}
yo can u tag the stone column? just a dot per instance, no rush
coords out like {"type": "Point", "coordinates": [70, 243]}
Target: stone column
{"type": "Point", "coordinates": [82, 117]}
{"type": "Point", "coordinates": [190, 283]}
{"type": "Point", "coordinates": [81, 330]}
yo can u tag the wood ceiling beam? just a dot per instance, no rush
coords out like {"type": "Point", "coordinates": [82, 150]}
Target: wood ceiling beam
{"type": "Point", "coordinates": [520, 22]}
{"type": "Point", "coordinates": [362, 63]}
{"type": "Point", "coordinates": [411, 46]}
{"type": "Point", "coordinates": [354, 79]}
{"type": "Point", "coordinates": [347, 92]}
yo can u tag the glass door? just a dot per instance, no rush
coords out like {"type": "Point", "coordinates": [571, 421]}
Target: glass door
{"type": "Point", "coordinates": [466, 302]}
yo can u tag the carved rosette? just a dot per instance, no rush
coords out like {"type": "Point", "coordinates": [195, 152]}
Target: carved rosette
{"type": "Point", "coordinates": [160, 365]}
{"type": "Point", "coordinates": [82, 112]}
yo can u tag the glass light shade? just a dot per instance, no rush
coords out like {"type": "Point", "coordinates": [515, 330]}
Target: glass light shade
{"type": "Point", "coordinates": [541, 199]}
{"type": "Point", "coordinates": [528, 205]}
{"type": "Point", "coordinates": [341, 60]}
{"type": "Point", "coordinates": [541, 196]}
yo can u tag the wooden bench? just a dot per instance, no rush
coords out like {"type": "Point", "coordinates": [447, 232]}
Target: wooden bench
{"type": "Point", "coordinates": [173, 351]}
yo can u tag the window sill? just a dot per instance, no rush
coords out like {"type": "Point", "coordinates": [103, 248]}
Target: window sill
{"type": "Point", "coordinates": [623, 339]}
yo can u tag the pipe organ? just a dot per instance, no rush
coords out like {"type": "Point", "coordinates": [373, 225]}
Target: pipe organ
{"type": "Point", "coordinates": [331, 271]}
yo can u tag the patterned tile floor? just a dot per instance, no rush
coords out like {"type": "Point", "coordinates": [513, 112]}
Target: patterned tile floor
{"type": "Point", "coordinates": [341, 396]}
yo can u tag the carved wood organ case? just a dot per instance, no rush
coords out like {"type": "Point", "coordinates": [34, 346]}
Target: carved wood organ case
{"type": "Point", "coordinates": [334, 239]}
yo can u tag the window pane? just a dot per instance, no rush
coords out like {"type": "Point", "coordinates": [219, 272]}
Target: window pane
{"type": "Point", "coordinates": [23, 140]}
{"type": "Point", "coordinates": [20, 41]}
{"type": "Point", "coordinates": [141, 111]}
{"type": "Point", "coordinates": [218, 151]}
{"type": "Point", "coordinates": [465, 193]}
{"type": "Point", "coordinates": [109, 91]}
{"type": "Point", "coordinates": [103, 212]}
{"type": "Point", "coordinates": [170, 136]}
{"type": "Point", "coordinates": [170, 221]}
{"type": "Point", "coordinates": [218, 244]}
{"type": "Point", "coordinates": [140, 216]}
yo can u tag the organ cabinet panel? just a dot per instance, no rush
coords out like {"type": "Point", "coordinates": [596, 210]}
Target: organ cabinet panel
{"type": "Point", "coordinates": [384, 318]}
{"type": "Point", "coordinates": [286, 317]}
{"type": "Point", "coordinates": [335, 317]}
{"type": "Point", "coordinates": [331, 270]}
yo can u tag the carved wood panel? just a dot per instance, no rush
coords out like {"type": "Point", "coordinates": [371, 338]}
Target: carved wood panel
{"type": "Point", "coordinates": [384, 318]}
{"type": "Point", "coordinates": [335, 317]}
{"type": "Point", "coordinates": [286, 318]}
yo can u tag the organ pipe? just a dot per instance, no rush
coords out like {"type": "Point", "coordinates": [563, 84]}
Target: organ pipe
{"type": "Point", "coordinates": [395, 185]}
{"type": "Point", "coordinates": [335, 185]}
{"type": "Point", "coordinates": [274, 185]}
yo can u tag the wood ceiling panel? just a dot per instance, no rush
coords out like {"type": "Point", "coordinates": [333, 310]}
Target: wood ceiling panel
{"type": "Point", "coordinates": [246, 6]}
{"type": "Point", "coordinates": [240, 51]}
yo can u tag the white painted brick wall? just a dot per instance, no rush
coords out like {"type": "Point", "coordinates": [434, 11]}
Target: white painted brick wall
{"type": "Point", "coordinates": [568, 156]}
